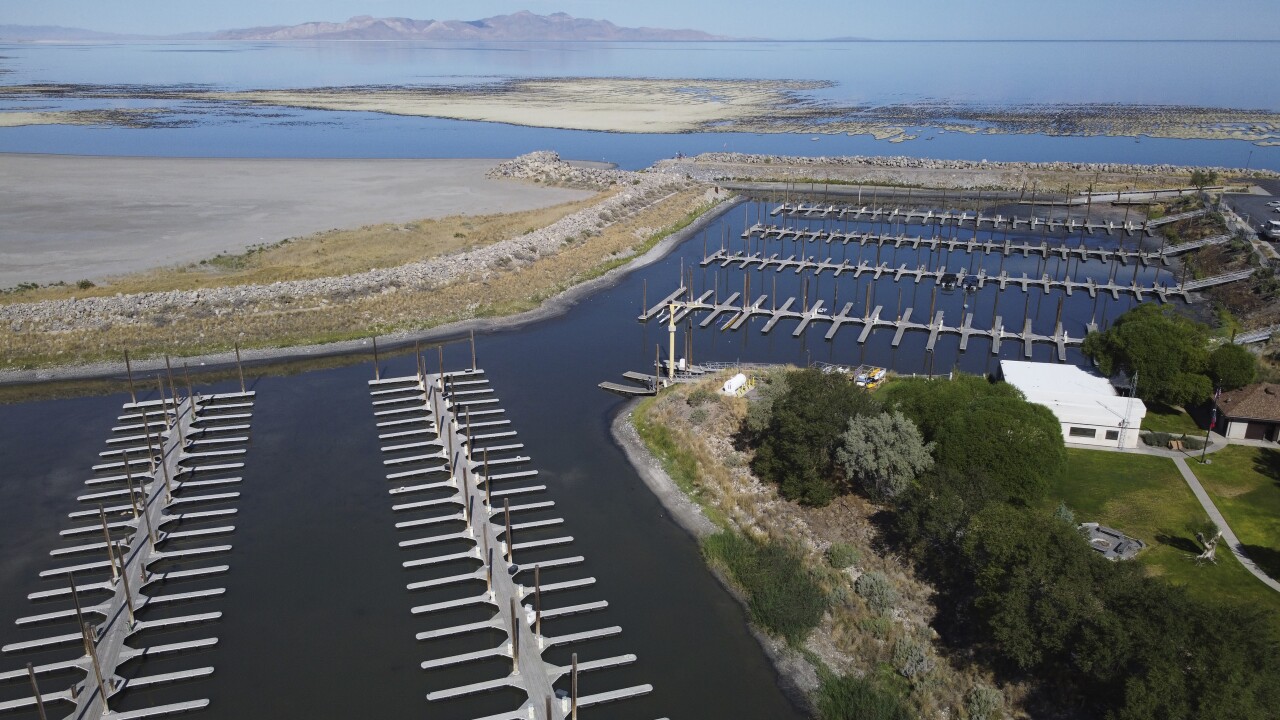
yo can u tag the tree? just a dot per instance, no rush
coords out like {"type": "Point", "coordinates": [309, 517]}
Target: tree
{"type": "Point", "coordinates": [1202, 178]}
{"type": "Point", "coordinates": [760, 411]}
{"type": "Point", "coordinates": [797, 448]}
{"type": "Point", "coordinates": [1016, 444]}
{"type": "Point", "coordinates": [883, 453]}
{"type": "Point", "coordinates": [1169, 353]}
{"type": "Point", "coordinates": [1232, 366]}
{"type": "Point", "coordinates": [1034, 583]}
{"type": "Point", "coordinates": [929, 403]}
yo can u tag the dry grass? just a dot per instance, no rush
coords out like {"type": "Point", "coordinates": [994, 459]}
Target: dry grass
{"type": "Point", "coordinates": [325, 254]}
{"type": "Point", "coordinates": [521, 286]}
{"type": "Point", "coordinates": [852, 638]}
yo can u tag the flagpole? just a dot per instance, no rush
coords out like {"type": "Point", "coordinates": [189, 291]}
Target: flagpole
{"type": "Point", "coordinates": [1213, 420]}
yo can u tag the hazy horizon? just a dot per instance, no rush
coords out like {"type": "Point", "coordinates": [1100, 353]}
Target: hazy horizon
{"type": "Point", "coordinates": [933, 20]}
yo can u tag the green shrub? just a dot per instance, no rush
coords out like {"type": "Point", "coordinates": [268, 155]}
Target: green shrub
{"type": "Point", "coordinates": [911, 656]}
{"type": "Point", "coordinates": [698, 416]}
{"type": "Point", "coordinates": [85, 284]}
{"type": "Point", "coordinates": [984, 703]}
{"type": "Point", "coordinates": [1191, 442]}
{"type": "Point", "coordinates": [700, 396]}
{"type": "Point", "coordinates": [874, 587]}
{"type": "Point", "coordinates": [877, 626]}
{"type": "Point", "coordinates": [842, 555]}
{"type": "Point", "coordinates": [1157, 439]}
{"type": "Point", "coordinates": [852, 698]}
{"type": "Point", "coordinates": [782, 594]}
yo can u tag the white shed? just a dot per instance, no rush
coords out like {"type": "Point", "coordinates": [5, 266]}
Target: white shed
{"type": "Point", "coordinates": [1084, 402]}
{"type": "Point", "coordinates": [734, 384]}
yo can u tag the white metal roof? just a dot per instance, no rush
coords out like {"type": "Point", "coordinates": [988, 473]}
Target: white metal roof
{"type": "Point", "coordinates": [1073, 394]}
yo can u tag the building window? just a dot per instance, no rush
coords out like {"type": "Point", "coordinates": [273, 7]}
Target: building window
{"type": "Point", "coordinates": [1083, 432]}
{"type": "Point", "coordinates": [1113, 434]}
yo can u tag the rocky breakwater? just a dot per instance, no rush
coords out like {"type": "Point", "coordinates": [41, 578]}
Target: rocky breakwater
{"type": "Point", "coordinates": [546, 167]}
{"type": "Point", "coordinates": [634, 192]}
{"type": "Point", "coordinates": [899, 169]}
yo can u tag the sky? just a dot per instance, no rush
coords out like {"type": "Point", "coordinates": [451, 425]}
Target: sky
{"type": "Point", "coordinates": [814, 19]}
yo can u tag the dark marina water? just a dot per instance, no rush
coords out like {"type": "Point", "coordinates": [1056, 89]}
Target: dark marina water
{"type": "Point", "coordinates": [317, 620]}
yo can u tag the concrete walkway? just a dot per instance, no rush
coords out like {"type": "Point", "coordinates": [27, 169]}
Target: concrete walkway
{"type": "Point", "coordinates": [1221, 522]}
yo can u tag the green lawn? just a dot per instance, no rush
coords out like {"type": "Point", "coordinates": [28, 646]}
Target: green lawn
{"type": "Point", "coordinates": [1146, 497]}
{"type": "Point", "coordinates": [1244, 483]}
{"type": "Point", "coordinates": [1162, 418]}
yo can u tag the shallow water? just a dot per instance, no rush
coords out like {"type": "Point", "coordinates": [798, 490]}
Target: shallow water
{"type": "Point", "coordinates": [1216, 74]}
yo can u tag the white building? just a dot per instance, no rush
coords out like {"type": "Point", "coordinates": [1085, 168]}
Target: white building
{"type": "Point", "coordinates": [1088, 407]}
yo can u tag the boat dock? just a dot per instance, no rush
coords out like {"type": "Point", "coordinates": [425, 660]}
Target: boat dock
{"type": "Point", "coordinates": [974, 220]}
{"type": "Point", "coordinates": [871, 320]}
{"type": "Point", "coordinates": [1043, 249]}
{"type": "Point", "coordinates": [941, 275]}
{"type": "Point", "coordinates": [457, 484]}
{"type": "Point", "coordinates": [164, 468]}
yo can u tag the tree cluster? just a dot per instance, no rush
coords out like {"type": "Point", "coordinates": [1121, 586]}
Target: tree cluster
{"type": "Point", "coordinates": [1170, 354]}
{"type": "Point", "coordinates": [964, 468]}
{"type": "Point", "coordinates": [1029, 592]}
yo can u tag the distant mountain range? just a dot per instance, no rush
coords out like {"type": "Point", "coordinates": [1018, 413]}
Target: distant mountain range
{"type": "Point", "coordinates": [520, 26]}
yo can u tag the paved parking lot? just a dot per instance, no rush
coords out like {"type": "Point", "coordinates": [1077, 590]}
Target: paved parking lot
{"type": "Point", "coordinates": [1253, 208]}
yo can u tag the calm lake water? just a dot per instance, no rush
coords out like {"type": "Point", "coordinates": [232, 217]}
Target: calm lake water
{"type": "Point", "coordinates": [1214, 74]}
{"type": "Point", "coordinates": [316, 617]}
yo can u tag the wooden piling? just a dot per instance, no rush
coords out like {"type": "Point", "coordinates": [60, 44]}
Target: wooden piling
{"type": "Point", "coordinates": [240, 369]}
{"type": "Point", "coordinates": [106, 536]}
{"type": "Point", "coordinates": [377, 375]}
{"type": "Point", "coordinates": [506, 511]}
{"type": "Point", "coordinates": [124, 577]}
{"type": "Point", "coordinates": [90, 649]}
{"type": "Point", "coordinates": [515, 639]}
{"type": "Point", "coordinates": [537, 599]}
{"type": "Point", "coordinates": [488, 564]}
{"type": "Point", "coordinates": [151, 532]}
{"type": "Point", "coordinates": [35, 691]}
{"type": "Point", "coordinates": [128, 476]}
{"type": "Point", "coordinates": [573, 688]}
{"type": "Point", "coordinates": [133, 396]}
{"type": "Point", "coordinates": [473, 351]}
{"type": "Point", "coordinates": [172, 385]}
{"type": "Point", "coordinates": [488, 486]}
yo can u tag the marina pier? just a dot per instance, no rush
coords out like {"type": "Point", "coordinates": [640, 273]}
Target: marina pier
{"type": "Point", "coordinates": [460, 484]}
{"type": "Point", "coordinates": [163, 479]}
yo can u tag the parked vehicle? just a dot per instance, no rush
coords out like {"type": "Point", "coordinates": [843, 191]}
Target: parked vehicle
{"type": "Point", "coordinates": [871, 379]}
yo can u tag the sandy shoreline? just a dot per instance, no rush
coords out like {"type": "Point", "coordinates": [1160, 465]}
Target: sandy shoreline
{"type": "Point", "coordinates": [68, 218]}
{"type": "Point", "coordinates": [552, 307]}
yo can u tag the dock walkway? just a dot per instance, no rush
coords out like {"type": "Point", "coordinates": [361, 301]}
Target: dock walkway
{"type": "Point", "coordinates": [158, 475]}
{"type": "Point", "coordinates": [466, 502]}
{"type": "Point", "coordinates": [939, 275]}
{"type": "Point", "coordinates": [956, 219]}
{"type": "Point", "coordinates": [737, 313]}
{"type": "Point", "coordinates": [1042, 249]}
